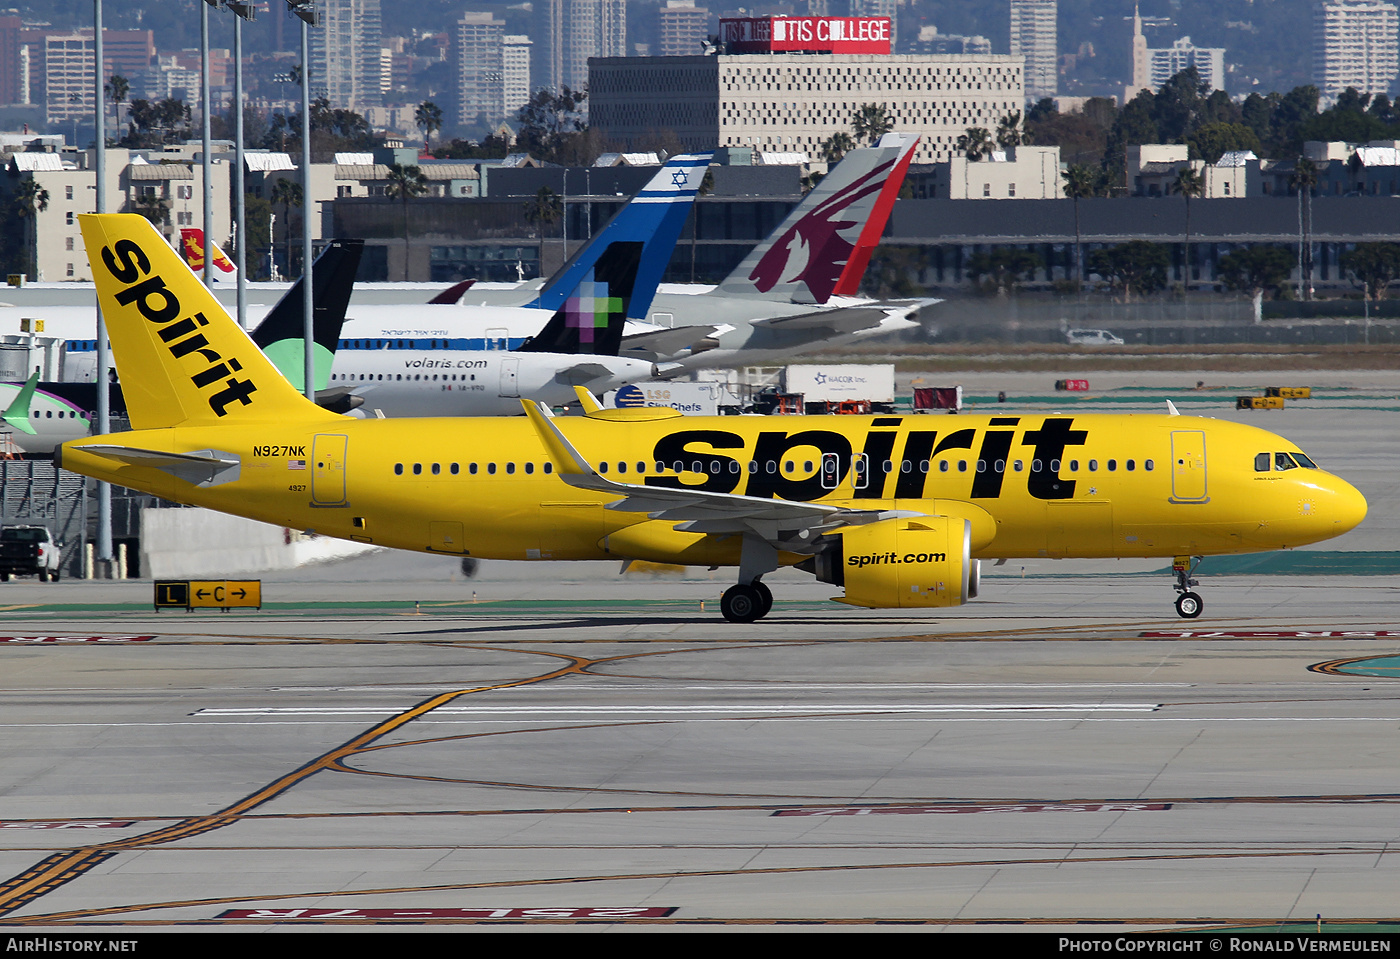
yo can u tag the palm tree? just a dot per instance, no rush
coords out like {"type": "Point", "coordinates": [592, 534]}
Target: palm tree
{"type": "Point", "coordinates": [31, 199]}
{"type": "Point", "coordinates": [428, 116]}
{"type": "Point", "coordinates": [117, 88]}
{"type": "Point", "coordinates": [871, 122]}
{"type": "Point", "coordinates": [1080, 181]}
{"type": "Point", "coordinates": [837, 146]}
{"type": "Point", "coordinates": [288, 193]}
{"type": "Point", "coordinates": [975, 144]}
{"type": "Point", "coordinates": [1011, 132]}
{"type": "Point", "coordinates": [1304, 178]}
{"type": "Point", "coordinates": [1188, 183]}
{"type": "Point", "coordinates": [405, 182]}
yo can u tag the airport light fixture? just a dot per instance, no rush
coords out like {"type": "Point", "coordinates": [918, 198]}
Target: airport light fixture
{"type": "Point", "coordinates": [307, 12]}
{"type": "Point", "coordinates": [242, 11]}
{"type": "Point", "coordinates": [206, 165]}
{"type": "Point", "coordinates": [104, 357]}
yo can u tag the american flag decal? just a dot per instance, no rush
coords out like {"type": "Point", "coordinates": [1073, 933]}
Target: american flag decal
{"type": "Point", "coordinates": [296, 464]}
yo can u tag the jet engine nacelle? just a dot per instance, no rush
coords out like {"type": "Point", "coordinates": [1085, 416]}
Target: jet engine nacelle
{"type": "Point", "coordinates": [908, 562]}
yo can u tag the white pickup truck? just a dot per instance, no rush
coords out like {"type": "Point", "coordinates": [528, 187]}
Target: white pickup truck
{"type": "Point", "coordinates": [28, 551]}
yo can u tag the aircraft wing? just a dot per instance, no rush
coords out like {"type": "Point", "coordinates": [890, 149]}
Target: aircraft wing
{"type": "Point", "coordinates": [789, 524]}
{"type": "Point", "coordinates": [846, 319]}
{"type": "Point", "coordinates": [658, 344]}
{"type": "Point", "coordinates": [581, 374]}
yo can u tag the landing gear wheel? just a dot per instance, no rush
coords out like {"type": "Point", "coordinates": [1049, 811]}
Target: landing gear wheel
{"type": "Point", "coordinates": [1189, 605]}
{"type": "Point", "coordinates": [741, 604]}
{"type": "Point", "coordinates": [766, 596]}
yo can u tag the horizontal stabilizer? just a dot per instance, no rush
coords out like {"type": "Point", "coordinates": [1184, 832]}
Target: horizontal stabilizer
{"type": "Point", "coordinates": [202, 467]}
{"type": "Point", "coordinates": [848, 319]}
{"type": "Point", "coordinates": [658, 344]}
{"type": "Point", "coordinates": [581, 374]}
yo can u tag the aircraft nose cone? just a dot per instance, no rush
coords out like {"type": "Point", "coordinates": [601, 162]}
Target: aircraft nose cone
{"type": "Point", "coordinates": [1349, 507]}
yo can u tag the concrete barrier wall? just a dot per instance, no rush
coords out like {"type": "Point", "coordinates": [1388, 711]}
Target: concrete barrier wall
{"type": "Point", "coordinates": [195, 543]}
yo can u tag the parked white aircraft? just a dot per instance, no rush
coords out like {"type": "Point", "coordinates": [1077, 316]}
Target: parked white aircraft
{"type": "Point", "coordinates": [794, 292]}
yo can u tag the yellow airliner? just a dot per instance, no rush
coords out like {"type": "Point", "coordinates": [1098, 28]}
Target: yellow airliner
{"type": "Point", "coordinates": [896, 509]}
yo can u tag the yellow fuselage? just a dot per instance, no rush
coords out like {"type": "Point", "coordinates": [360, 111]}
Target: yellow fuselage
{"type": "Point", "coordinates": [1033, 484]}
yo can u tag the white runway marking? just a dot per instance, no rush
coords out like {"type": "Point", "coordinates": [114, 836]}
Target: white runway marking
{"type": "Point", "coordinates": [648, 710]}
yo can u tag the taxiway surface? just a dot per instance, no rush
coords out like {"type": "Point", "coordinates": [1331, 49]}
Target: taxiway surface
{"type": "Point", "coordinates": [375, 747]}
{"type": "Point", "coordinates": [1062, 751]}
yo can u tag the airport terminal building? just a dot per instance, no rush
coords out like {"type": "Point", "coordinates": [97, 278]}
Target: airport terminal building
{"type": "Point", "coordinates": [787, 84]}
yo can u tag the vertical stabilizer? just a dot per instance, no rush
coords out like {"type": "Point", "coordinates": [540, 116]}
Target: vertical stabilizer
{"type": "Point", "coordinates": [823, 246]}
{"type": "Point", "coordinates": [592, 318]}
{"type": "Point", "coordinates": [192, 249]}
{"type": "Point", "coordinates": [654, 218]}
{"type": "Point", "coordinates": [281, 334]}
{"type": "Point", "coordinates": [181, 358]}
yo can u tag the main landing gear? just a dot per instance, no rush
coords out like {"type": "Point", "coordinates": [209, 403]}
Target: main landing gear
{"type": "Point", "coordinates": [1188, 604]}
{"type": "Point", "coordinates": [748, 599]}
{"type": "Point", "coordinates": [743, 603]}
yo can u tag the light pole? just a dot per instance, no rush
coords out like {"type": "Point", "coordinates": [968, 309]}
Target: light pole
{"type": "Point", "coordinates": [206, 166]}
{"type": "Point", "coordinates": [243, 10]}
{"type": "Point", "coordinates": [104, 359]}
{"type": "Point", "coordinates": [306, 12]}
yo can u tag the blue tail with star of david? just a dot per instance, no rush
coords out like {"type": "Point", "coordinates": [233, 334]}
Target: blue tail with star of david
{"type": "Point", "coordinates": [654, 217]}
{"type": "Point", "coordinates": [591, 318]}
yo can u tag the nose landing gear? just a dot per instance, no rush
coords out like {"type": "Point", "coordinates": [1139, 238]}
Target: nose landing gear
{"type": "Point", "coordinates": [1188, 604]}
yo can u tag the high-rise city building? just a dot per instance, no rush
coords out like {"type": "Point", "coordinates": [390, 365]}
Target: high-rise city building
{"type": "Point", "coordinates": [589, 28]}
{"type": "Point", "coordinates": [881, 8]}
{"type": "Point", "coordinates": [477, 68]}
{"type": "Point", "coordinates": [68, 77]}
{"type": "Point", "coordinates": [492, 69]}
{"type": "Point", "coordinates": [1355, 45]}
{"type": "Point", "coordinates": [682, 27]}
{"type": "Point", "coordinates": [346, 63]}
{"type": "Point", "coordinates": [1033, 36]}
{"type": "Point", "coordinates": [1208, 61]}
{"type": "Point", "coordinates": [795, 102]}
{"type": "Point", "coordinates": [515, 72]}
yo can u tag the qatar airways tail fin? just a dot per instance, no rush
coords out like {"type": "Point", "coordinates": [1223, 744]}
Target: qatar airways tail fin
{"type": "Point", "coordinates": [653, 218]}
{"type": "Point", "coordinates": [822, 249]}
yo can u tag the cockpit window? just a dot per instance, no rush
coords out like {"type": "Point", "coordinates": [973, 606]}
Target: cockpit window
{"type": "Point", "coordinates": [1304, 461]}
{"type": "Point", "coordinates": [1261, 463]}
{"type": "Point", "coordinates": [1282, 461]}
